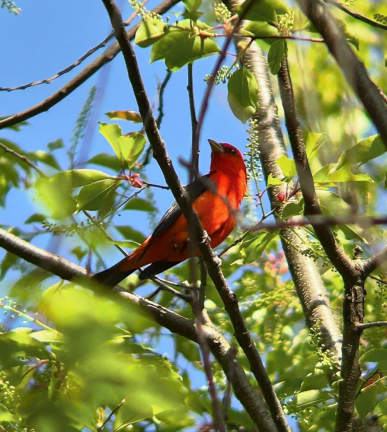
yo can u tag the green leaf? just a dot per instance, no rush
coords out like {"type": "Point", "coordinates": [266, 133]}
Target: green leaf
{"type": "Point", "coordinates": [127, 148]}
{"type": "Point", "coordinates": [91, 196]}
{"type": "Point", "coordinates": [140, 204]}
{"type": "Point", "coordinates": [374, 356]}
{"type": "Point", "coordinates": [192, 5]}
{"type": "Point", "coordinates": [310, 398]}
{"type": "Point", "coordinates": [46, 158]}
{"type": "Point", "coordinates": [260, 29]}
{"type": "Point", "coordinates": [362, 152]}
{"type": "Point", "coordinates": [125, 244]}
{"type": "Point", "coordinates": [6, 416]}
{"type": "Point", "coordinates": [261, 10]}
{"type": "Point", "coordinates": [55, 145]}
{"type": "Point", "coordinates": [132, 116]}
{"type": "Point", "coordinates": [365, 402]}
{"type": "Point", "coordinates": [288, 166]}
{"type": "Point", "coordinates": [275, 55]}
{"type": "Point", "coordinates": [329, 174]}
{"type": "Point", "coordinates": [130, 233]}
{"type": "Point", "coordinates": [273, 181]}
{"type": "Point", "coordinates": [181, 45]}
{"type": "Point", "coordinates": [79, 252]}
{"type": "Point", "coordinates": [332, 204]}
{"type": "Point", "coordinates": [243, 94]}
{"type": "Point", "coordinates": [47, 336]}
{"type": "Point", "coordinates": [55, 192]}
{"type": "Point", "coordinates": [36, 217]}
{"type": "Point", "coordinates": [252, 249]}
{"type": "Point", "coordinates": [150, 30]}
{"type": "Point", "coordinates": [107, 160]}
{"type": "Point", "coordinates": [293, 209]}
{"type": "Point", "coordinates": [317, 380]}
{"type": "Point", "coordinates": [313, 143]}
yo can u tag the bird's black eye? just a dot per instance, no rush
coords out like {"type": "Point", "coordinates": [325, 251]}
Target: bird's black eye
{"type": "Point", "coordinates": [232, 151]}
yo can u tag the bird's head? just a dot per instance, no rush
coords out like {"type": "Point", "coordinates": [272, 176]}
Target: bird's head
{"type": "Point", "coordinates": [226, 157]}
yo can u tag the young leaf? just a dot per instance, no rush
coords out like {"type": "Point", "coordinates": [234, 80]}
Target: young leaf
{"type": "Point", "coordinates": [55, 145]}
{"type": "Point", "coordinates": [252, 249]}
{"type": "Point", "coordinates": [192, 5]}
{"type": "Point", "coordinates": [243, 94]}
{"type": "Point", "coordinates": [275, 55]}
{"type": "Point", "coordinates": [150, 30]}
{"type": "Point", "coordinates": [127, 148]}
{"type": "Point", "coordinates": [313, 143]}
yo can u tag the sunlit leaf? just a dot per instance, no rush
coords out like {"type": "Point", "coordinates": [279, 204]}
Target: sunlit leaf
{"type": "Point", "coordinates": [288, 166]}
{"type": "Point", "coordinates": [127, 148]}
{"type": "Point", "coordinates": [180, 45]}
{"type": "Point", "coordinates": [273, 181]}
{"type": "Point", "coordinates": [329, 174]}
{"type": "Point", "coordinates": [261, 10]}
{"type": "Point", "coordinates": [150, 30]}
{"type": "Point", "coordinates": [364, 151]}
{"type": "Point", "coordinates": [192, 5]}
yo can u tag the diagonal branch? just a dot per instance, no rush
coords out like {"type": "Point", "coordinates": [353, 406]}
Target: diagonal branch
{"type": "Point", "coordinates": [75, 64]}
{"type": "Point", "coordinates": [312, 207]}
{"type": "Point", "coordinates": [375, 261]}
{"type": "Point", "coordinates": [200, 237]}
{"type": "Point", "coordinates": [73, 84]}
{"type": "Point", "coordinates": [353, 68]}
{"type": "Point", "coordinates": [220, 348]}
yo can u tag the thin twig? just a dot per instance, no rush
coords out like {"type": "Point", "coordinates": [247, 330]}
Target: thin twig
{"type": "Point", "coordinates": [194, 124]}
{"type": "Point", "coordinates": [357, 15]}
{"type": "Point", "coordinates": [111, 414]}
{"type": "Point", "coordinates": [75, 64]}
{"type": "Point", "coordinates": [363, 326]}
{"type": "Point", "coordinates": [161, 91]}
{"type": "Point", "coordinates": [378, 279]}
{"type": "Point", "coordinates": [74, 83]}
{"type": "Point", "coordinates": [23, 158]}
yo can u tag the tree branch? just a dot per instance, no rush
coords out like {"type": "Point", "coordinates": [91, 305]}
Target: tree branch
{"type": "Point", "coordinates": [375, 261]}
{"type": "Point", "coordinates": [353, 68]}
{"type": "Point", "coordinates": [353, 311]}
{"type": "Point", "coordinates": [224, 353]}
{"type": "Point", "coordinates": [364, 326]}
{"type": "Point", "coordinates": [200, 237]}
{"type": "Point", "coordinates": [73, 84]}
{"type": "Point", "coordinates": [312, 207]}
{"type": "Point", "coordinates": [305, 273]}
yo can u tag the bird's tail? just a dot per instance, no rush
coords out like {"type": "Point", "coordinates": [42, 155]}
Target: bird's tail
{"type": "Point", "coordinates": [113, 275]}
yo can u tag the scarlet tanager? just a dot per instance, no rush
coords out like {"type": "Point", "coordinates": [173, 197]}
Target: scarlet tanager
{"type": "Point", "coordinates": [216, 197]}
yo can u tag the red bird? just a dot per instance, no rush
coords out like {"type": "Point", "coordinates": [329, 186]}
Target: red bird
{"type": "Point", "coordinates": [216, 197]}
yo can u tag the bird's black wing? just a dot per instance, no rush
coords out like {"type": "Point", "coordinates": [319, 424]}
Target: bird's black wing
{"type": "Point", "coordinates": [194, 190]}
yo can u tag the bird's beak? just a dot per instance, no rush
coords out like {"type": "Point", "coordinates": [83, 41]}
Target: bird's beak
{"type": "Point", "coordinates": [216, 147]}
